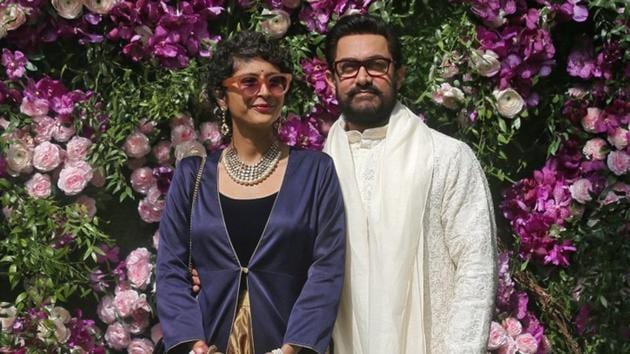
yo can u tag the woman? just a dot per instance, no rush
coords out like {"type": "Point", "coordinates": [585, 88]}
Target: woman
{"type": "Point", "coordinates": [268, 227]}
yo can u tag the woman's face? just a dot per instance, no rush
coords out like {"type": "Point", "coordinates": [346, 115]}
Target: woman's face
{"type": "Point", "coordinates": [260, 109]}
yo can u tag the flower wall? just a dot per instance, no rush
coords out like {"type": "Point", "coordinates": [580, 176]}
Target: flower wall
{"type": "Point", "coordinates": [100, 99]}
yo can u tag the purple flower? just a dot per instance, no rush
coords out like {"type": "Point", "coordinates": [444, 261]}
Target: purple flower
{"type": "Point", "coordinates": [558, 254]}
{"type": "Point", "coordinates": [304, 133]}
{"type": "Point", "coordinates": [581, 62]}
{"type": "Point", "coordinates": [14, 63]}
{"type": "Point", "coordinates": [163, 176]}
{"type": "Point", "coordinates": [315, 71]}
{"type": "Point", "coordinates": [3, 166]}
{"type": "Point", "coordinates": [110, 254]}
{"type": "Point", "coordinates": [582, 318]}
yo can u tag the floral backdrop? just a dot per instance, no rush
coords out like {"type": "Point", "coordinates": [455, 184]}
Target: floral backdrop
{"type": "Point", "coordinates": [100, 98]}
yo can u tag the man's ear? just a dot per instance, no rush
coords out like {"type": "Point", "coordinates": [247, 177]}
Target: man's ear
{"type": "Point", "coordinates": [330, 80]}
{"type": "Point", "coordinates": [400, 76]}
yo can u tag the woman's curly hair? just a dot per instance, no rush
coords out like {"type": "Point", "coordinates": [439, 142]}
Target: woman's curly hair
{"type": "Point", "coordinates": [244, 45]}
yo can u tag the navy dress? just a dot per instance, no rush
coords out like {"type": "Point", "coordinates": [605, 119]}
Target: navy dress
{"type": "Point", "coordinates": [294, 276]}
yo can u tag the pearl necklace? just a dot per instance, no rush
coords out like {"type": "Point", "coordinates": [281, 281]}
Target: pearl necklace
{"type": "Point", "coordinates": [250, 175]}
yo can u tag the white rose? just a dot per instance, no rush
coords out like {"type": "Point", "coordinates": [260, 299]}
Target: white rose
{"type": "Point", "coordinates": [485, 63]}
{"type": "Point", "coordinates": [7, 315]}
{"type": "Point", "coordinates": [277, 24]}
{"type": "Point", "coordinates": [19, 158]}
{"type": "Point", "coordinates": [448, 96]}
{"type": "Point", "coordinates": [101, 7]}
{"type": "Point", "coordinates": [68, 9]}
{"type": "Point", "coordinates": [509, 102]}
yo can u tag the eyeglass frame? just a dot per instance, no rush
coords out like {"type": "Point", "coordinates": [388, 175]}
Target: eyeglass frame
{"type": "Point", "coordinates": [362, 64]}
{"type": "Point", "coordinates": [262, 78]}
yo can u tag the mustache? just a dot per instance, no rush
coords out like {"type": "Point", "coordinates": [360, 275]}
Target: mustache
{"type": "Point", "coordinates": [364, 89]}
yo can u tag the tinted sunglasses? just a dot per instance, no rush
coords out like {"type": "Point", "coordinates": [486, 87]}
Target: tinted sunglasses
{"type": "Point", "coordinates": [250, 84]}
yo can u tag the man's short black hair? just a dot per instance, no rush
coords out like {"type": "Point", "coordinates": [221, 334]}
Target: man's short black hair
{"type": "Point", "coordinates": [362, 24]}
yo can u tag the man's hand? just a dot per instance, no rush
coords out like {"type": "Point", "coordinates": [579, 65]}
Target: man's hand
{"type": "Point", "coordinates": [196, 283]}
{"type": "Point", "coordinates": [200, 347]}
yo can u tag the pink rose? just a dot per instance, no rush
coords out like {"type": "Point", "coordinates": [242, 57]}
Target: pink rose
{"type": "Point", "coordinates": [181, 120]}
{"type": "Point", "coordinates": [74, 177]}
{"type": "Point", "coordinates": [140, 346]}
{"type": "Point", "coordinates": [46, 156]}
{"type": "Point", "coordinates": [142, 180]}
{"type": "Point", "coordinates": [43, 127]}
{"type": "Point", "coordinates": [63, 133]}
{"type": "Point", "coordinates": [78, 147]}
{"type": "Point", "coordinates": [19, 158]}
{"type": "Point", "coordinates": [98, 180]}
{"type": "Point", "coordinates": [39, 186]}
{"type": "Point", "coordinates": [137, 145]}
{"type": "Point", "coordinates": [183, 133]}
{"type": "Point", "coordinates": [618, 162]}
{"type": "Point", "coordinates": [595, 149]}
{"type": "Point", "coordinates": [117, 336]}
{"type": "Point", "coordinates": [509, 347]}
{"type": "Point", "coordinates": [512, 326]}
{"type": "Point", "coordinates": [146, 126]}
{"type": "Point", "coordinates": [124, 302]}
{"type": "Point", "coordinates": [156, 239]}
{"type": "Point", "coordinates": [150, 212]}
{"type": "Point", "coordinates": [526, 344]}
{"type": "Point", "coordinates": [162, 152]}
{"type": "Point", "coordinates": [592, 120]}
{"type": "Point", "coordinates": [156, 333]}
{"type": "Point", "coordinates": [139, 322]}
{"type": "Point", "coordinates": [210, 134]}
{"type": "Point", "coordinates": [88, 203]}
{"type": "Point", "coordinates": [139, 267]}
{"type": "Point", "coordinates": [106, 309]}
{"type": "Point", "coordinates": [580, 190]}
{"type": "Point", "coordinates": [619, 138]}
{"type": "Point", "coordinates": [34, 108]}
{"type": "Point", "coordinates": [498, 336]}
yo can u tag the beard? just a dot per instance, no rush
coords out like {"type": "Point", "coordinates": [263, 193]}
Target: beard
{"type": "Point", "coordinates": [368, 116]}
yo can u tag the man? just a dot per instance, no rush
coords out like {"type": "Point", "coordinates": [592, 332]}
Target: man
{"type": "Point", "coordinates": [420, 259]}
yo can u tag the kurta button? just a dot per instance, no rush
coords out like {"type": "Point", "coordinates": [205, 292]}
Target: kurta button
{"type": "Point", "coordinates": [244, 270]}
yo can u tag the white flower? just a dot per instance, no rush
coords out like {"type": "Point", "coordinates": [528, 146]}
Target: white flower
{"type": "Point", "coordinates": [101, 7]}
{"type": "Point", "coordinates": [277, 24]}
{"type": "Point", "coordinates": [448, 96]}
{"type": "Point", "coordinates": [485, 63]}
{"type": "Point", "coordinates": [68, 9]}
{"type": "Point", "coordinates": [509, 102]}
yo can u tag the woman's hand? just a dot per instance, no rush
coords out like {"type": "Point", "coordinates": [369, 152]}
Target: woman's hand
{"type": "Point", "coordinates": [290, 349]}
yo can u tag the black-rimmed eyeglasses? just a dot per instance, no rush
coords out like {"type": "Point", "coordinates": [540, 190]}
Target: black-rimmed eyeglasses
{"type": "Point", "coordinates": [349, 68]}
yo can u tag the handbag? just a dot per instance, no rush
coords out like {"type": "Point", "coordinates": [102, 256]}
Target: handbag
{"type": "Point", "coordinates": [159, 346]}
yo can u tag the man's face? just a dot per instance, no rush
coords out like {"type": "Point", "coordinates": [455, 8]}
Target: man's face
{"type": "Point", "coordinates": [368, 98]}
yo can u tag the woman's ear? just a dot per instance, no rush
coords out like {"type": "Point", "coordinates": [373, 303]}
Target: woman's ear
{"type": "Point", "coordinates": [221, 99]}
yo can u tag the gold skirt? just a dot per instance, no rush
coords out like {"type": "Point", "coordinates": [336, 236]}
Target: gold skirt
{"type": "Point", "coordinates": [241, 340]}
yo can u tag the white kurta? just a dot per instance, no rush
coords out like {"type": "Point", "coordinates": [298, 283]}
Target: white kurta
{"type": "Point", "coordinates": [458, 273]}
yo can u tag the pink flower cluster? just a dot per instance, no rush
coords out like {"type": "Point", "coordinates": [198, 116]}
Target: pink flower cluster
{"type": "Point", "coordinates": [316, 14]}
{"type": "Point", "coordinates": [171, 32]}
{"type": "Point", "coordinates": [49, 150]}
{"type": "Point", "coordinates": [520, 329]}
{"type": "Point", "coordinates": [304, 133]}
{"type": "Point", "coordinates": [153, 182]}
{"type": "Point", "coordinates": [583, 62]}
{"type": "Point", "coordinates": [127, 311]}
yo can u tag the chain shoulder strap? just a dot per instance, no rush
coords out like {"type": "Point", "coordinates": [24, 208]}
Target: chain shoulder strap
{"type": "Point", "coordinates": [192, 204]}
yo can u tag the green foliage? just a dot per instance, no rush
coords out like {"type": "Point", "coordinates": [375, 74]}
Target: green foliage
{"type": "Point", "coordinates": [33, 258]}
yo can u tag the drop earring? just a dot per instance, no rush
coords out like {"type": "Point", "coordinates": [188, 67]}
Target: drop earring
{"type": "Point", "coordinates": [225, 128]}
